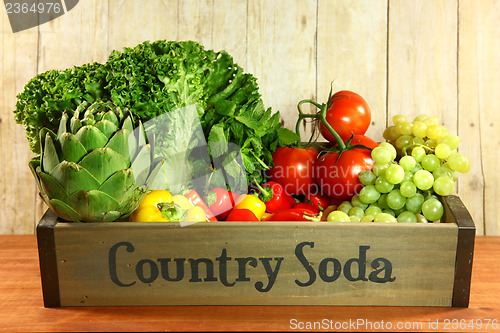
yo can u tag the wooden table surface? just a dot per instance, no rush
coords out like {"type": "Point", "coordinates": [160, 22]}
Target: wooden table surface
{"type": "Point", "coordinates": [22, 310]}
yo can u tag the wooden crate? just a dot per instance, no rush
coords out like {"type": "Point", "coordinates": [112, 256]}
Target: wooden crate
{"type": "Point", "coordinates": [258, 263]}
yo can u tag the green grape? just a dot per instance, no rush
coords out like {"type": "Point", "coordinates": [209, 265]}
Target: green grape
{"type": "Point", "coordinates": [459, 162]}
{"type": "Point", "coordinates": [354, 218]}
{"type": "Point", "coordinates": [423, 179]}
{"type": "Point", "coordinates": [373, 210]}
{"type": "Point", "coordinates": [403, 141]}
{"type": "Point", "coordinates": [434, 131]}
{"type": "Point", "coordinates": [389, 211]}
{"type": "Point", "coordinates": [407, 217]}
{"type": "Point", "coordinates": [369, 194]}
{"type": "Point", "coordinates": [414, 204]}
{"type": "Point", "coordinates": [379, 169]}
{"type": "Point", "coordinates": [442, 171]}
{"type": "Point", "coordinates": [417, 167]}
{"type": "Point", "coordinates": [408, 189]}
{"type": "Point", "coordinates": [395, 200]}
{"type": "Point", "coordinates": [420, 117]}
{"type": "Point", "coordinates": [389, 147]}
{"type": "Point", "coordinates": [338, 216]}
{"type": "Point", "coordinates": [385, 217]}
{"type": "Point", "coordinates": [430, 162]}
{"type": "Point", "coordinates": [383, 185]}
{"type": "Point", "coordinates": [399, 118]}
{"type": "Point", "coordinates": [407, 162]}
{"type": "Point", "coordinates": [453, 175]}
{"type": "Point", "coordinates": [381, 155]}
{"type": "Point", "coordinates": [382, 201]}
{"type": "Point", "coordinates": [345, 206]}
{"type": "Point", "coordinates": [421, 218]}
{"type": "Point", "coordinates": [394, 173]}
{"type": "Point", "coordinates": [430, 144]}
{"type": "Point", "coordinates": [418, 153]}
{"type": "Point", "coordinates": [357, 202]}
{"type": "Point", "coordinates": [356, 211]}
{"type": "Point", "coordinates": [419, 129]}
{"type": "Point", "coordinates": [408, 177]}
{"type": "Point", "coordinates": [417, 141]}
{"type": "Point", "coordinates": [367, 177]}
{"type": "Point", "coordinates": [432, 209]}
{"type": "Point", "coordinates": [405, 127]}
{"type": "Point", "coordinates": [451, 140]}
{"type": "Point", "coordinates": [367, 218]}
{"type": "Point", "coordinates": [429, 121]}
{"type": "Point", "coordinates": [444, 186]}
{"type": "Point", "coordinates": [442, 151]}
{"type": "Point", "coordinates": [391, 133]}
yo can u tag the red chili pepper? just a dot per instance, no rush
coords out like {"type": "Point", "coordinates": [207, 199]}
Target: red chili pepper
{"type": "Point", "coordinates": [294, 214]}
{"type": "Point", "coordinates": [309, 206]}
{"type": "Point", "coordinates": [220, 201]}
{"type": "Point", "coordinates": [318, 200]}
{"type": "Point", "coordinates": [196, 200]}
{"type": "Point", "coordinates": [242, 215]}
{"type": "Point", "coordinates": [274, 196]}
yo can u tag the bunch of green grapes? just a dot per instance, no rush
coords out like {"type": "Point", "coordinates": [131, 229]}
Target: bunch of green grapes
{"type": "Point", "coordinates": [418, 163]}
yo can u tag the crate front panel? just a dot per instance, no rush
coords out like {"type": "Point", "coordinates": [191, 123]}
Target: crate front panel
{"type": "Point", "coordinates": [256, 263]}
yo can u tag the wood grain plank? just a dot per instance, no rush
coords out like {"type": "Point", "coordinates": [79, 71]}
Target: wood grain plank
{"type": "Point", "coordinates": [352, 52]}
{"type": "Point", "coordinates": [22, 307]}
{"type": "Point", "coordinates": [18, 54]}
{"type": "Point", "coordinates": [422, 60]}
{"type": "Point", "coordinates": [281, 46]}
{"type": "Point", "coordinates": [133, 22]}
{"type": "Point", "coordinates": [479, 111]}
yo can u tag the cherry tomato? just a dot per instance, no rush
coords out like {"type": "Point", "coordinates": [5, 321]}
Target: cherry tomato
{"type": "Point", "coordinates": [348, 113]}
{"type": "Point", "coordinates": [340, 179]}
{"type": "Point", "coordinates": [293, 169]}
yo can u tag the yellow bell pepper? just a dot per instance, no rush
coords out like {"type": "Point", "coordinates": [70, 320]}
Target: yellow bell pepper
{"type": "Point", "coordinates": [252, 203]}
{"type": "Point", "coordinates": [161, 206]}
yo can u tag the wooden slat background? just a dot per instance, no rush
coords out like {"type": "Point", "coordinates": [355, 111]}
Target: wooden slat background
{"type": "Point", "coordinates": [438, 57]}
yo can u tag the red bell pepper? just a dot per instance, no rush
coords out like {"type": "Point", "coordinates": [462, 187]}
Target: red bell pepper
{"type": "Point", "coordinates": [308, 206]}
{"type": "Point", "coordinates": [196, 200]}
{"type": "Point", "coordinates": [241, 214]}
{"type": "Point", "coordinates": [318, 200]}
{"type": "Point", "coordinates": [220, 201]}
{"type": "Point", "coordinates": [294, 214]}
{"type": "Point", "coordinates": [274, 196]}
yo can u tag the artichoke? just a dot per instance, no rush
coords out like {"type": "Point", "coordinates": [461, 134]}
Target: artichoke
{"type": "Point", "coordinates": [98, 167]}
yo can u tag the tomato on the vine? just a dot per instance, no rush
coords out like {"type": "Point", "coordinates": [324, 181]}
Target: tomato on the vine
{"type": "Point", "coordinates": [348, 113]}
{"type": "Point", "coordinates": [293, 169]}
{"type": "Point", "coordinates": [340, 178]}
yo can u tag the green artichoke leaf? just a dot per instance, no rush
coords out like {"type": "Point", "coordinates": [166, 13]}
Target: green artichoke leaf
{"type": "Point", "coordinates": [73, 177]}
{"type": "Point", "coordinates": [51, 187]}
{"type": "Point", "coordinates": [112, 117]}
{"type": "Point", "coordinates": [72, 149]}
{"type": "Point", "coordinates": [91, 137]}
{"type": "Point", "coordinates": [128, 124]}
{"type": "Point", "coordinates": [64, 211]}
{"type": "Point", "coordinates": [118, 184]}
{"type": "Point", "coordinates": [43, 133]}
{"type": "Point", "coordinates": [107, 127]}
{"type": "Point", "coordinates": [132, 199]}
{"type": "Point", "coordinates": [34, 165]}
{"type": "Point", "coordinates": [103, 162]}
{"type": "Point", "coordinates": [119, 142]}
{"type": "Point", "coordinates": [63, 124]}
{"type": "Point", "coordinates": [75, 125]}
{"type": "Point", "coordinates": [49, 155]}
{"type": "Point", "coordinates": [93, 205]}
{"type": "Point", "coordinates": [141, 166]}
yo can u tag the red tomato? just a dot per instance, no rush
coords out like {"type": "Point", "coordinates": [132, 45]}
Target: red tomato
{"type": "Point", "coordinates": [293, 169]}
{"type": "Point", "coordinates": [348, 112]}
{"type": "Point", "coordinates": [364, 140]}
{"type": "Point", "coordinates": [340, 179]}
